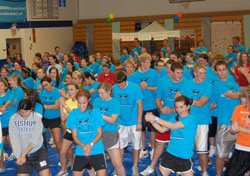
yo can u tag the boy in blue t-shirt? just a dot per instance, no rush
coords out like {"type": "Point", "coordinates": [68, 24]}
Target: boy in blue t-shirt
{"type": "Point", "coordinates": [226, 94]}
{"type": "Point", "coordinates": [130, 120]}
{"type": "Point", "coordinates": [200, 49]}
{"type": "Point", "coordinates": [147, 79]}
{"type": "Point", "coordinates": [200, 91]}
{"type": "Point", "coordinates": [230, 57]}
{"type": "Point", "coordinates": [237, 47]}
{"type": "Point", "coordinates": [137, 48]}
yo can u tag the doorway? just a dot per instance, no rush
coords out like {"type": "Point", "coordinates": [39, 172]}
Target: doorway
{"type": "Point", "coordinates": [13, 46]}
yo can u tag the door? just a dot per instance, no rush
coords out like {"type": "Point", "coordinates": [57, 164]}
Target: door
{"type": "Point", "coordinates": [13, 46]}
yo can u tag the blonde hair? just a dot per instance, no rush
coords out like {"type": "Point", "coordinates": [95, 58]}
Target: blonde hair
{"type": "Point", "coordinates": [144, 57]}
{"type": "Point", "coordinates": [199, 66]}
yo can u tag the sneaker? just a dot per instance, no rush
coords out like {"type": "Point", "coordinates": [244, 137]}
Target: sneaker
{"type": "Point", "coordinates": [210, 162]}
{"type": "Point", "coordinates": [68, 166]}
{"type": "Point", "coordinates": [204, 174]}
{"type": "Point", "coordinates": [59, 164]}
{"type": "Point", "coordinates": [62, 173]}
{"type": "Point", "coordinates": [135, 171]}
{"type": "Point", "coordinates": [199, 168]}
{"type": "Point", "coordinates": [149, 170]}
{"type": "Point", "coordinates": [51, 141]}
{"type": "Point", "coordinates": [11, 157]}
{"type": "Point", "coordinates": [143, 153]}
{"type": "Point", "coordinates": [230, 155]}
{"type": "Point", "coordinates": [2, 170]}
{"type": "Point", "coordinates": [53, 146]}
{"type": "Point", "coordinates": [114, 173]}
{"type": "Point", "coordinates": [211, 151]}
{"type": "Point", "coordinates": [149, 145]}
{"type": "Point", "coordinates": [151, 154]}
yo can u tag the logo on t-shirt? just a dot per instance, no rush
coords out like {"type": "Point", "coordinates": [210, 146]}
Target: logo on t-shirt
{"type": "Point", "coordinates": [124, 100]}
{"type": "Point", "coordinates": [177, 134]}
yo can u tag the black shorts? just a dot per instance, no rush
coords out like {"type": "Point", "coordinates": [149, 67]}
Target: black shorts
{"type": "Point", "coordinates": [98, 162]}
{"type": "Point", "coordinates": [51, 123]}
{"type": "Point", "coordinates": [238, 164]}
{"type": "Point", "coordinates": [68, 136]}
{"type": "Point", "coordinates": [45, 144]}
{"type": "Point", "coordinates": [212, 127]}
{"type": "Point", "coordinates": [148, 125]}
{"type": "Point", "coordinates": [38, 160]}
{"type": "Point", "coordinates": [175, 164]}
{"type": "Point", "coordinates": [5, 131]}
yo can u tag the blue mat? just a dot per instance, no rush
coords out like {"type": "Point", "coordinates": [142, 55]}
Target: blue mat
{"type": "Point", "coordinates": [128, 161]}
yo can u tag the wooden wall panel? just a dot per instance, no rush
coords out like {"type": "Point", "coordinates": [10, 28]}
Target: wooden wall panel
{"type": "Point", "coordinates": [128, 26]}
{"type": "Point", "coordinates": [79, 33]}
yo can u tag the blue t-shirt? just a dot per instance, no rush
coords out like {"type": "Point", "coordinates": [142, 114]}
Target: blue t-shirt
{"type": "Point", "coordinates": [166, 92]}
{"type": "Point", "coordinates": [229, 56]}
{"type": "Point", "coordinates": [29, 82]}
{"type": "Point", "coordinates": [124, 58]}
{"type": "Point", "coordinates": [60, 86]}
{"type": "Point", "coordinates": [248, 51]}
{"type": "Point", "coordinates": [37, 84]}
{"type": "Point", "coordinates": [151, 78]}
{"type": "Point", "coordinates": [86, 69]}
{"type": "Point", "coordinates": [108, 108]}
{"type": "Point", "coordinates": [94, 67]}
{"type": "Point", "coordinates": [225, 105]}
{"type": "Point", "coordinates": [38, 108]}
{"type": "Point", "coordinates": [17, 73]}
{"type": "Point", "coordinates": [5, 117]}
{"type": "Point", "coordinates": [186, 73]}
{"type": "Point", "coordinates": [18, 95]}
{"type": "Point", "coordinates": [86, 124]}
{"type": "Point", "coordinates": [182, 140]}
{"type": "Point", "coordinates": [49, 98]}
{"type": "Point", "coordinates": [202, 49]}
{"type": "Point", "coordinates": [136, 49]}
{"type": "Point", "coordinates": [128, 98]}
{"type": "Point", "coordinates": [241, 48]}
{"type": "Point", "coordinates": [74, 63]}
{"type": "Point", "coordinates": [94, 86]}
{"type": "Point", "coordinates": [195, 91]}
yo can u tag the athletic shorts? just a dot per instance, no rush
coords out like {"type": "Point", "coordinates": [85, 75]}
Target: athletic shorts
{"type": "Point", "coordinates": [212, 127]}
{"type": "Point", "coordinates": [38, 160]}
{"type": "Point", "coordinates": [51, 123]}
{"type": "Point", "coordinates": [148, 125]}
{"type": "Point", "coordinates": [176, 164]}
{"type": "Point", "coordinates": [129, 134]}
{"type": "Point", "coordinates": [45, 144]}
{"type": "Point", "coordinates": [224, 141]}
{"type": "Point", "coordinates": [68, 136]}
{"type": "Point", "coordinates": [238, 164]}
{"type": "Point", "coordinates": [201, 139]}
{"type": "Point", "coordinates": [98, 162]}
{"type": "Point", "coordinates": [110, 139]}
{"type": "Point", "coordinates": [5, 131]}
{"type": "Point", "coordinates": [116, 146]}
{"type": "Point", "coordinates": [163, 137]}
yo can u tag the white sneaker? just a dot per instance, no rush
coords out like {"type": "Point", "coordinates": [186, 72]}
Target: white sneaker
{"type": "Point", "coordinates": [51, 141]}
{"type": "Point", "coordinates": [114, 173]}
{"type": "Point", "coordinates": [230, 155]}
{"type": "Point", "coordinates": [210, 162]}
{"type": "Point", "coordinates": [199, 168]}
{"type": "Point", "coordinates": [11, 157]}
{"type": "Point", "coordinates": [211, 150]}
{"type": "Point", "coordinates": [149, 170]}
{"type": "Point", "coordinates": [149, 145]}
{"type": "Point", "coordinates": [151, 154]}
{"type": "Point", "coordinates": [62, 173]}
{"type": "Point", "coordinates": [135, 171]}
{"type": "Point", "coordinates": [143, 153]}
{"type": "Point", "coordinates": [204, 174]}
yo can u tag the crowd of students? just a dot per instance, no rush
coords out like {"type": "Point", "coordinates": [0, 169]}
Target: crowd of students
{"type": "Point", "coordinates": [201, 99]}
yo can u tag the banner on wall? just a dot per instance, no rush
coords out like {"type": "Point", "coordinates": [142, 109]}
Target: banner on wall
{"type": "Point", "coordinates": [12, 11]}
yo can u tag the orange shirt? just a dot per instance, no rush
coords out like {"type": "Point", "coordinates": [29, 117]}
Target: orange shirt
{"type": "Point", "coordinates": [242, 116]}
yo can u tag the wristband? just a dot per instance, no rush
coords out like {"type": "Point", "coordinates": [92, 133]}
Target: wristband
{"type": "Point", "coordinates": [139, 123]}
{"type": "Point", "coordinates": [157, 119]}
{"type": "Point", "coordinates": [91, 144]}
{"type": "Point", "coordinates": [65, 106]}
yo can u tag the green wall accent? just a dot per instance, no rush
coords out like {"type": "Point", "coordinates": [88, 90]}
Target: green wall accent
{"type": "Point", "coordinates": [116, 28]}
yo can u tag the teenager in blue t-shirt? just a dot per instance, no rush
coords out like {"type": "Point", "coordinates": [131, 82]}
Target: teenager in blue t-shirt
{"type": "Point", "coordinates": [91, 86]}
{"type": "Point", "coordinates": [16, 91]}
{"type": "Point", "coordinates": [84, 66]}
{"type": "Point", "coordinates": [147, 79]}
{"type": "Point", "coordinates": [28, 77]}
{"type": "Point", "coordinates": [50, 97]}
{"type": "Point", "coordinates": [110, 109]}
{"type": "Point", "coordinates": [200, 91]}
{"type": "Point", "coordinates": [41, 73]}
{"type": "Point", "coordinates": [226, 94]}
{"type": "Point", "coordinates": [93, 65]}
{"type": "Point", "coordinates": [137, 48]}
{"type": "Point", "coordinates": [86, 124]}
{"type": "Point", "coordinates": [230, 57]}
{"type": "Point", "coordinates": [177, 157]}
{"type": "Point", "coordinates": [201, 49]}
{"type": "Point", "coordinates": [125, 55]}
{"type": "Point", "coordinates": [6, 110]}
{"type": "Point", "coordinates": [130, 120]}
{"type": "Point", "coordinates": [165, 93]}
{"type": "Point", "coordinates": [237, 47]}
